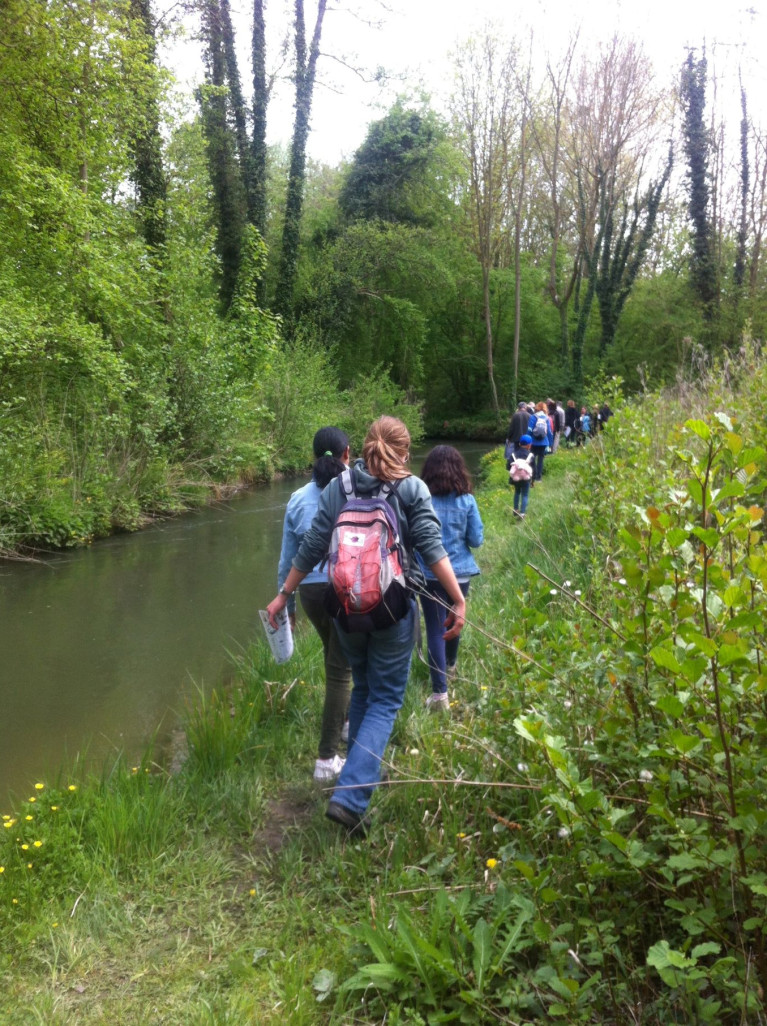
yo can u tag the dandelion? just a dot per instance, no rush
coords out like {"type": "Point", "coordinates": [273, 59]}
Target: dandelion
{"type": "Point", "coordinates": [252, 892]}
{"type": "Point", "coordinates": [2, 869]}
{"type": "Point", "coordinates": [134, 769]}
{"type": "Point", "coordinates": [460, 835]}
{"type": "Point", "coordinates": [577, 592]}
{"type": "Point", "coordinates": [39, 787]}
{"type": "Point", "coordinates": [33, 799]}
{"type": "Point", "coordinates": [554, 591]}
{"type": "Point", "coordinates": [483, 687]}
{"type": "Point", "coordinates": [29, 865]}
{"type": "Point", "coordinates": [14, 901]}
{"type": "Point", "coordinates": [29, 818]}
{"type": "Point", "coordinates": [38, 844]}
{"type": "Point", "coordinates": [72, 787]}
{"type": "Point", "coordinates": [6, 816]}
{"type": "Point", "coordinates": [567, 704]}
{"type": "Point", "coordinates": [622, 581]}
{"type": "Point", "coordinates": [645, 775]}
{"type": "Point", "coordinates": [413, 751]}
{"type": "Point", "coordinates": [563, 832]}
{"type": "Point", "coordinates": [54, 808]}
{"type": "Point", "coordinates": [567, 584]}
{"type": "Point", "coordinates": [491, 863]}
{"type": "Point", "coordinates": [54, 925]}
{"type": "Point", "coordinates": [25, 847]}
{"type": "Point", "coordinates": [9, 823]}
{"type": "Point", "coordinates": [522, 767]}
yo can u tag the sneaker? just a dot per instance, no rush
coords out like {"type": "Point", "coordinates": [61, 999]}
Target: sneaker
{"type": "Point", "coordinates": [352, 822]}
{"type": "Point", "coordinates": [345, 732]}
{"type": "Point", "coordinates": [438, 701]}
{"type": "Point", "coordinates": [328, 769]}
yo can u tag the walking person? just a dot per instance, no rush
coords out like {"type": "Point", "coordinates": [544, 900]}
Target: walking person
{"type": "Point", "coordinates": [539, 429]}
{"type": "Point", "coordinates": [521, 473]}
{"type": "Point", "coordinates": [571, 420]}
{"type": "Point", "coordinates": [379, 658]}
{"type": "Point", "coordinates": [331, 452]}
{"type": "Point", "coordinates": [517, 427]}
{"type": "Point", "coordinates": [447, 478]}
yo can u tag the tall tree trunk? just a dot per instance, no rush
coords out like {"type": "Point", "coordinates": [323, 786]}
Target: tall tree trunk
{"type": "Point", "coordinates": [305, 73]}
{"type": "Point", "coordinates": [489, 338]}
{"type": "Point", "coordinates": [244, 151]}
{"type": "Point", "coordinates": [149, 174]}
{"type": "Point", "coordinates": [740, 256]}
{"type": "Point", "coordinates": [258, 146]}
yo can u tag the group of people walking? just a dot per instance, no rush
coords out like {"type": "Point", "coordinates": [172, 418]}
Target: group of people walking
{"type": "Point", "coordinates": [366, 671]}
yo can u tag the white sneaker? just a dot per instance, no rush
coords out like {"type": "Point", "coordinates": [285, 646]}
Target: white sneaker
{"type": "Point", "coordinates": [328, 769]}
{"type": "Point", "coordinates": [345, 731]}
{"type": "Point", "coordinates": [438, 701]}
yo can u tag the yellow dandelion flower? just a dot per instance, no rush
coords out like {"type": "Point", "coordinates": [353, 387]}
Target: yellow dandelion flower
{"type": "Point", "coordinates": [2, 869]}
{"type": "Point", "coordinates": [134, 769]}
{"type": "Point", "coordinates": [33, 799]}
{"type": "Point", "coordinates": [9, 823]}
{"type": "Point", "coordinates": [6, 816]}
{"type": "Point", "coordinates": [54, 808]}
{"type": "Point", "coordinates": [491, 863]}
{"type": "Point", "coordinates": [252, 892]}
{"type": "Point", "coordinates": [72, 787]}
{"type": "Point", "coordinates": [54, 925]}
{"type": "Point", "coordinates": [461, 835]}
{"type": "Point", "coordinates": [29, 865]}
{"type": "Point", "coordinates": [29, 818]}
{"type": "Point", "coordinates": [14, 901]}
{"type": "Point", "coordinates": [39, 787]}
{"type": "Point", "coordinates": [25, 847]}
{"type": "Point", "coordinates": [38, 844]}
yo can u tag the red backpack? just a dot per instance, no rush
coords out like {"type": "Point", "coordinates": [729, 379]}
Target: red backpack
{"type": "Point", "coordinates": [367, 589]}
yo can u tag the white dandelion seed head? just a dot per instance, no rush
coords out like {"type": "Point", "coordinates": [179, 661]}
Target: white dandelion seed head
{"type": "Point", "coordinates": [621, 580]}
{"type": "Point", "coordinates": [577, 591]}
{"type": "Point", "coordinates": [522, 767]}
{"type": "Point", "coordinates": [553, 591]}
{"type": "Point", "coordinates": [563, 832]}
{"type": "Point", "coordinates": [645, 774]}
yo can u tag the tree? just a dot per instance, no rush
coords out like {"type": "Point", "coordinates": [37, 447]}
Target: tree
{"type": "Point", "coordinates": [305, 70]}
{"type": "Point", "coordinates": [703, 273]}
{"type": "Point", "coordinates": [486, 114]}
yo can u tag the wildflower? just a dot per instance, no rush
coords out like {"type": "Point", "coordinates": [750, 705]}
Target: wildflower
{"type": "Point", "coordinates": [252, 892]}
{"type": "Point", "coordinates": [29, 865]}
{"type": "Point", "coordinates": [9, 823]}
{"type": "Point", "coordinates": [54, 808]}
{"type": "Point", "coordinates": [54, 925]}
{"type": "Point", "coordinates": [72, 787]}
{"type": "Point", "coordinates": [29, 818]}
{"type": "Point", "coordinates": [25, 847]}
{"type": "Point", "coordinates": [491, 863]}
{"type": "Point", "coordinates": [483, 687]}
{"type": "Point", "coordinates": [6, 816]}
{"type": "Point", "coordinates": [553, 592]}
{"type": "Point", "coordinates": [38, 844]}
{"type": "Point", "coordinates": [14, 901]}
{"type": "Point", "coordinates": [460, 835]}
{"type": "Point", "coordinates": [645, 775]}
{"type": "Point", "coordinates": [622, 580]}
{"type": "Point", "coordinates": [2, 869]}
{"type": "Point", "coordinates": [33, 799]}
{"type": "Point", "coordinates": [567, 704]}
{"type": "Point", "coordinates": [522, 767]}
{"type": "Point", "coordinates": [39, 787]}
{"type": "Point", "coordinates": [134, 769]}
{"type": "Point", "coordinates": [577, 591]}
{"type": "Point", "coordinates": [566, 584]}
{"type": "Point", "coordinates": [413, 751]}
{"type": "Point", "coordinates": [563, 832]}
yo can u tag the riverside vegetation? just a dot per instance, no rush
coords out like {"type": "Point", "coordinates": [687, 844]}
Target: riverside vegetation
{"type": "Point", "coordinates": [584, 841]}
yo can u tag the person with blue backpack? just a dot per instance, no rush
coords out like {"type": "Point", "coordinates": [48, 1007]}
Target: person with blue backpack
{"type": "Point", "coordinates": [539, 429]}
{"type": "Point", "coordinates": [379, 657]}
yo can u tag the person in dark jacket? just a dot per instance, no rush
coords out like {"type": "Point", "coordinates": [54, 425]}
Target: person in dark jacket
{"type": "Point", "coordinates": [571, 420]}
{"type": "Point", "coordinates": [540, 445]}
{"type": "Point", "coordinates": [517, 428]}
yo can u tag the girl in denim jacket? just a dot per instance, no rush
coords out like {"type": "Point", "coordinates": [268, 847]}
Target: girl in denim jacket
{"type": "Point", "coordinates": [448, 480]}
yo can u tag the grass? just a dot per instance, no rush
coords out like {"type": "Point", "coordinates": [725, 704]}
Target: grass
{"type": "Point", "coordinates": [218, 894]}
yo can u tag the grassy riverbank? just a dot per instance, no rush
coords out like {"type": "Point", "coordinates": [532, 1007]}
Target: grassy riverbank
{"type": "Point", "coordinates": [581, 842]}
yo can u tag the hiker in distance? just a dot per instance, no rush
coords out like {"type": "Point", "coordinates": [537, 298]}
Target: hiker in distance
{"type": "Point", "coordinates": [331, 457]}
{"type": "Point", "coordinates": [379, 657]}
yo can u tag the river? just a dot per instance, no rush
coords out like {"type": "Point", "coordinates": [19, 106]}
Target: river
{"type": "Point", "coordinates": [103, 646]}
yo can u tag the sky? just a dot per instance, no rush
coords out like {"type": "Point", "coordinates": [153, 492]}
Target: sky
{"type": "Point", "coordinates": [412, 39]}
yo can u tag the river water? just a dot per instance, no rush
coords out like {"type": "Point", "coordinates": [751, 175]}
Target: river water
{"type": "Point", "coordinates": [100, 648]}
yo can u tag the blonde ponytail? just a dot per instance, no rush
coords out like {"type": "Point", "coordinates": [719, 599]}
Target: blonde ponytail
{"type": "Point", "coordinates": [386, 449]}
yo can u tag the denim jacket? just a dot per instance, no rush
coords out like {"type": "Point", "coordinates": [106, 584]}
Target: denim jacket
{"type": "Point", "coordinates": [299, 514]}
{"type": "Point", "coordinates": [461, 530]}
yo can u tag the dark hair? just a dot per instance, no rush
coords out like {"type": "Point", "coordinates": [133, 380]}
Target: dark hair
{"type": "Point", "coordinates": [444, 472]}
{"type": "Point", "coordinates": [330, 443]}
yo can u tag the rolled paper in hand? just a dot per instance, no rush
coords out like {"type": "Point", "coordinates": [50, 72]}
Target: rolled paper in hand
{"type": "Point", "coordinates": [280, 639]}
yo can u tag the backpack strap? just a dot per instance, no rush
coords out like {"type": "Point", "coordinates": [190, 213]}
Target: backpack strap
{"type": "Point", "coordinates": [346, 484]}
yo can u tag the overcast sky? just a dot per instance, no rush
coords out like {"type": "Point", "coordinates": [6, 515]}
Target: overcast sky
{"type": "Point", "coordinates": [413, 38]}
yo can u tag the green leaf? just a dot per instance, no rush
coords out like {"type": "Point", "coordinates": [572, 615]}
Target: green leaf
{"type": "Point", "coordinates": [733, 489]}
{"type": "Point", "coordinates": [708, 535]}
{"type": "Point", "coordinates": [707, 948]}
{"type": "Point", "coordinates": [724, 420]}
{"type": "Point", "coordinates": [664, 657]}
{"type": "Point", "coordinates": [670, 705]}
{"type": "Point", "coordinates": [323, 984]}
{"type": "Point", "coordinates": [684, 742]}
{"type": "Point", "coordinates": [699, 428]}
{"type": "Point", "coordinates": [483, 948]}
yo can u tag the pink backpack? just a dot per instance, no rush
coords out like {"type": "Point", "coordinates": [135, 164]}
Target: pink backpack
{"type": "Point", "coordinates": [521, 470]}
{"type": "Point", "coordinates": [366, 589]}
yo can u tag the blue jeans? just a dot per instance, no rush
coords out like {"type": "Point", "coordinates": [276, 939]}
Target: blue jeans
{"type": "Point", "coordinates": [521, 495]}
{"type": "Point", "coordinates": [380, 662]}
{"type": "Point", "coordinates": [441, 653]}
